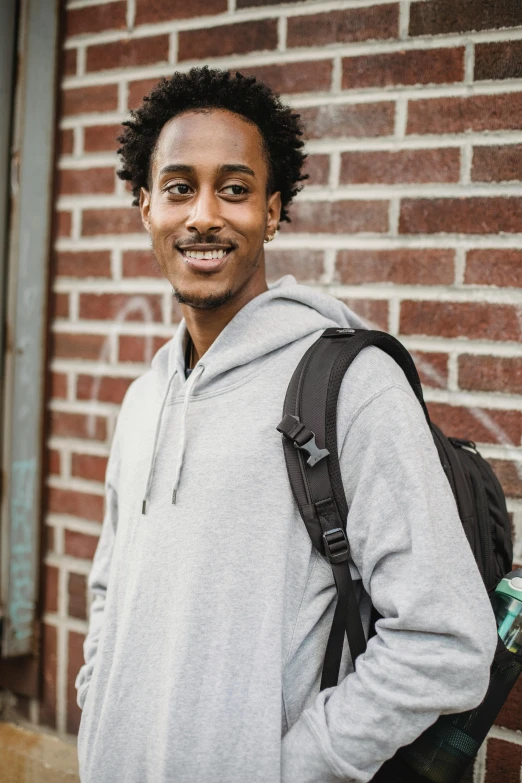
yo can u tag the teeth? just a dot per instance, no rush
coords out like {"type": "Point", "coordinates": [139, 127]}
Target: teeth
{"type": "Point", "coordinates": [207, 255]}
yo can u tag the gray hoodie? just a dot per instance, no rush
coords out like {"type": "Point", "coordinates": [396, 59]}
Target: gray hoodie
{"type": "Point", "coordinates": [211, 609]}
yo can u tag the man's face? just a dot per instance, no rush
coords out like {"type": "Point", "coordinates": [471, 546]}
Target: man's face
{"type": "Point", "coordinates": [207, 210]}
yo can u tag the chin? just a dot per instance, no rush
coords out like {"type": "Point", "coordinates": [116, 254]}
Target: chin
{"type": "Point", "coordinates": [211, 300]}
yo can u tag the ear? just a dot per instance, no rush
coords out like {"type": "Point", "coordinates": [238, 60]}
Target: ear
{"type": "Point", "coordinates": [273, 213]}
{"type": "Point", "coordinates": [145, 208]}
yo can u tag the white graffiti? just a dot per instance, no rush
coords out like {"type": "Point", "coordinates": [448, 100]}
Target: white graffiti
{"type": "Point", "coordinates": [136, 304]}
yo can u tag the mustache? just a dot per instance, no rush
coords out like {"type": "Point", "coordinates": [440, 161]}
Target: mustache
{"type": "Point", "coordinates": [208, 239]}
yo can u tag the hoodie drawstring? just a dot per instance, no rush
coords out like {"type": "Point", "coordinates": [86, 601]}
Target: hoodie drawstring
{"type": "Point", "coordinates": [154, 448]}
{"type": "Point", "coordinates": [191, 382]}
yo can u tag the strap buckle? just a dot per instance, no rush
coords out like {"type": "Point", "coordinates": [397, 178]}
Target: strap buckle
{"type": "Point", "coordinates": [336, 545]}
{"type": "Point", "coordinates": [303, 438]}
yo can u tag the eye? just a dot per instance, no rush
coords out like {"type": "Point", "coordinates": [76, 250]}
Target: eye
{"type": "Point", "coordinates": [234, 190]}
{"type": "Point", "coordinates": [179, 189]}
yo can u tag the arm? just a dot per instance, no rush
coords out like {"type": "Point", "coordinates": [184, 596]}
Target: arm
{"type": "Point", "coordinates": [98, 581]}
{"type": "Point", "coordinates": [435, 643]}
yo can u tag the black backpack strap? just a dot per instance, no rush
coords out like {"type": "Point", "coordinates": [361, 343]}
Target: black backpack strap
{"type": "Point", "coordinates": [309, 427]}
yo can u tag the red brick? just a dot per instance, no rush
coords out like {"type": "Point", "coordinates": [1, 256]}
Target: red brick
{"type": "Point", "coordinates": [82, 181]}
{"type": "Point", "coordinates": [318, 168]}
{"type": "Point", "coordinates": [497, 164]}
{"type": "Point", "coordinates": [96, 18]}
{"type": "Point", "coordinates": [111, 221]}
{"type": "Point", "coordinates": [510, 476]}
{"type": "Point", "coordinates": [89, 466]}
{"type": "Point", "coordinates": [494, 267]}
{"type": "Point", "coordinates": [491, 373]}
{"type": "Point", "coordinates": [54, 462]}
{"type": "Point", "coordinates": [138, 90]}
{"type": "Point", "coordinates": [460, 422]}
{"type": "Point", "coordinates": [305, 265]}
{"type": "Point", "coordinates": [59, 306]}
{"type": "Point", "coordinates": [101, 138]}
{"type": "Point", "coordinates": [404, 266]}
{"type": "Point", "coordinates": [224, 40]}
{"type": "Point", "coordinates": [345, 26]}
{"type": "Point", "coordinates": [83, 263]}
{"type": "Point", "coordinates": [359, 120]}
{"type": "Point", "coordinates": [510, 716]}
{"type": "Point", "coordinates": [424, 66]}
{"type": "Point", "coordinates": [403, 166]}
{"type": "Point", "coordinates": [65, 345]}
{"type": "Point", "coordinates": [128, 54]}
{"type": "Point", "coordinates": [58, 385]}
{"type": "Point", "coordinates": [113, 306]}
{"type": "Point", "coordinates": [294, 77]}
{"type": "Point", "coordinates": [75, 661]}
{"type": "Point", "coordinates": [339, 217]}
{"type": "Point", "coordinates": [91, 387]}
{"type": "Point", "coordinates": [65, 141]}
{"type": "Point", "coordinates": [50, 588]}
{"type": "Point", "coordinates": [140, 263]}
{"type": "Point", "coordinates": [501, 60]}
{"type": "Point", "coordinates": [47, 711]}
{"type": "Point", "coordinates": [432, 368]}
{"type": "Point", "coordinates": [76, 425]}
{"type": "Point", "coordinates": [503, 761]}
{"type": "Point", "coordinates": [77, 504]}
{"type": "Point", "coordinates": [373, 311]}
{"type": "Point", "coordinates": [150, 11]}
{"type": "Point", "coordinates": [134, 348]}
{"type": "Point", "coordinates": [461, 215]}
{"type": "Point", "coordinates": [77, 591]}
{"type": "Point", "coordinates": [69, 62]}
{"type": "Point", "coordinates": [80, 545]}
{"type": "Point", "coordinates": [83, 100]}
{"type": "Point", "coordinates": [458, 16]}
{"type": "Point", "coordinates": [457, 115]}
{"type": "Point", "coordinates": [475, 320]}
{"type": "Point", "coordinates": [63, 223]}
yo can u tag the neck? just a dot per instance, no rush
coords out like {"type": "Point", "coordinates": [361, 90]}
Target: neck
{"type": "Point", "coordinates": [204, 326]}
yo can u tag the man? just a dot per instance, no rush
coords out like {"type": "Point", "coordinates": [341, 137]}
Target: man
{"type": "Point", "coordinates": [211, 609]}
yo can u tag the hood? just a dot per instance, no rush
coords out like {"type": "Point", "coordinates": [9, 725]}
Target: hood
{"type": "Point", "coordinates": [276, 318]}
{"type": "Point", "coordinates": [285, 313]}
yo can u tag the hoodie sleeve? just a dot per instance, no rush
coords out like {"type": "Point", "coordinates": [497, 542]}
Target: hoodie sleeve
{"type": "Point", "coordinates": [99, 576]}
{"type": "Point", "coordinates": [434, 646]}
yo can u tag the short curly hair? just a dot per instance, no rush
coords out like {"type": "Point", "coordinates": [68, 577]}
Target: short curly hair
{"type": "Point", "coordinates": [205, 88]}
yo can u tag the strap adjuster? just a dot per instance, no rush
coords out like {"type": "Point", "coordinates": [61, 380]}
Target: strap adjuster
{"type": "Point", "coordinates": [336, 545]}
{"type": "Point", "coordinates": [303, 438]}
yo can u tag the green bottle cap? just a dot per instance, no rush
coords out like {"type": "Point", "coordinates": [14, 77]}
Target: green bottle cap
{"type": "Point", "coordinates": [511, 585]}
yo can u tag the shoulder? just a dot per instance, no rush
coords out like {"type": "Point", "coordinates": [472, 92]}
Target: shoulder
{"type": "Point", "coordinates": [140, 401]}
{"type": "Point", "coordinates": [373, 375]}
{"type": "Point", "coordinates": [140, 391]}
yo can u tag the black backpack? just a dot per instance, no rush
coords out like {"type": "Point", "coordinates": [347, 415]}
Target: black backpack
{"type": "Point", "coordinates": [445, 751]}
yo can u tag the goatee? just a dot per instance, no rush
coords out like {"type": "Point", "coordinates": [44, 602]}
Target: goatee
{"type": "Point", "coordinates": [210, 302]}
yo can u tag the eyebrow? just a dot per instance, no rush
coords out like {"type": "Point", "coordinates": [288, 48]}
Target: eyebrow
{"type": "Point", "coordinates": [226, 168]}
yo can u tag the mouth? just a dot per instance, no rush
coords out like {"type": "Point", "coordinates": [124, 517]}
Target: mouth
{"type": "Point", "coordinates": [205, 258]}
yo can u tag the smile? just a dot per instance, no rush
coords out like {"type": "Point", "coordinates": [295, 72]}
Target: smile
{"type": "Point", "coordinates": [205, 255]}
{"type": "Point", "coordinates": [201, 259]}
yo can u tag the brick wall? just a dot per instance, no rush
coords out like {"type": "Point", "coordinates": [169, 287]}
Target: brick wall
{"type": "Point", "coordinates": [413, 215]}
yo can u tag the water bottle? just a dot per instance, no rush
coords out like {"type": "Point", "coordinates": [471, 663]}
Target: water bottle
{"type": "Point", "coordinates": [507, 604]}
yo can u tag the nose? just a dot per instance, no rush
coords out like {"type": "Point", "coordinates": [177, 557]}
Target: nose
{"type": "Point", "coordinates": [205, 217]}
